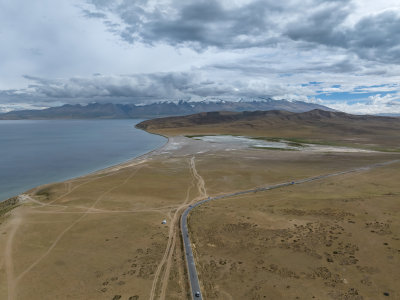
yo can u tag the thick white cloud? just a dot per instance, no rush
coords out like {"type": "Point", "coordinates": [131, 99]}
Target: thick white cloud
{"type": "Point", "coordinates": [67, 51]}
{"type": "Point", "coordinates": [388, 104]}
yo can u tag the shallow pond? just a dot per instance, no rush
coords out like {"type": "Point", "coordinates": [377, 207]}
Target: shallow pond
{"type": "Point", "coordinates": [245, 141]}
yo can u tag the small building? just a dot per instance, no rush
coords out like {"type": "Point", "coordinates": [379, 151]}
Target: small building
{"type": "Point", "coordinates": [164, 222]}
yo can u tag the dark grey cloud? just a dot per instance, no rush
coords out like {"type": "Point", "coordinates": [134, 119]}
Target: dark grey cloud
{"type": "Point", "coordinates": [374, 37]}
{"type": "Point", "coordinates": [258, 68]}
{"type": "Point", "coordinates": [178, 49]}
{"type": "Point", "coordinates": [132, 88]}
{"type": "Point", "coordinates": [95, 15]}
{"type": "Point", "coordinates": [260, 23]}
{"type": "Point", "coordinates": [322, 25]}
{"type": "Point", "coordinates": [377, 37]}
{"type": "Point", "coordinates": [200, 24]}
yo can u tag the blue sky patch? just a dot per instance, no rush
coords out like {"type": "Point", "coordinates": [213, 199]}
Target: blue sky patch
{"type": "Point", "coordinates": [350, 97]}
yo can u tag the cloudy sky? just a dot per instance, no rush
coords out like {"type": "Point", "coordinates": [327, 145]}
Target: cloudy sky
{"type": "Point", "coordinates": [341, 53]}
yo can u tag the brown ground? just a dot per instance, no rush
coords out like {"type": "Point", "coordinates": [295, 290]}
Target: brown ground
{"type": "Point", "coordinates": [100, 236]}
{"type": "Point", "coordinates": [97, 237]}
{"type": "Point", "coordinates": [337, 128]}
{"type": "Point", "coordinates": [334, 239]}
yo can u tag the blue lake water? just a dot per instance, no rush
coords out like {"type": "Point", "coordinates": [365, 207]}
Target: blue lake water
{"type": "Point", "coordinates": [35, 152]}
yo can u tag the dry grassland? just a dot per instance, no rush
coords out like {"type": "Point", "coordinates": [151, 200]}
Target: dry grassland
{"type": "Point", "coordinates": [97, 237]}
{"type": "Point", "coordinates": [227, 172]}
{"type": "Point", "coordinates": [101, 237]}
{"type": "Point", "coordinates": [338, 238]}
{"type": "Point", "coordinates": [315, 126]}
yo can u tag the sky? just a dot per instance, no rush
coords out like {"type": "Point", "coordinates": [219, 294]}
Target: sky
{"type": "Point", "coordinates": [344, 54]}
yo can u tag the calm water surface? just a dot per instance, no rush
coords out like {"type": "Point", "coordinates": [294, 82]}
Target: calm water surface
{"type": "Point", "coordinates": [35, 152]}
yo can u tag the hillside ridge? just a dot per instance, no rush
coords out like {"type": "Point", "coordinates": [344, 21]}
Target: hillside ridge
{"type": "Point", "coordinates": [315, 126]}
{"type": "Point", "coordinates": [159, 109]}
{"type": "Point", "coordinates": [273, 115]}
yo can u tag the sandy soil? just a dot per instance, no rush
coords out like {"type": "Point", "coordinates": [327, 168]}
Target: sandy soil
{"type": "Point", "coordinates": [96, 237]}
{"type": "Point", "coordinates": [336, 239]}
{"type": "Point", "coordinates": [100, 236]}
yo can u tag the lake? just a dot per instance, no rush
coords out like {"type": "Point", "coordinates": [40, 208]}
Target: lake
{"type": "Point", "coordinates": [35, 152]}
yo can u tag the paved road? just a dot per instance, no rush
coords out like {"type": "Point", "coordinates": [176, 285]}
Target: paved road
{"type": "Point", "coordinates": [192, 272]}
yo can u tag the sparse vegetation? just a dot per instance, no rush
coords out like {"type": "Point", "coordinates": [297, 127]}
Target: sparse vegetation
{"type": "Point", "coordinates": [333, 236]}
{"type": "Point", "coordinates": [330, 236]}
{"type": "Point", "coordinates": [7, 206]}
{"type": "Point", "coordinates": [315, 127]}
{"type": "Point", "coordinates": [274, 148]}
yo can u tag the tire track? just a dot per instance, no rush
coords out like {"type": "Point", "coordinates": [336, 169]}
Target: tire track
{"type": "Point", "coordinates": [200, 181]}
{"type": "Point", "coordinates": [61, 235]}
{"type": "Point", "coordinates": [190, 260]}
{"type": "Point", "coordinates": [9, 263]}
{"type": "Point", "coordinates": [167, 260]}
{"type": "Point", "coordinates": [71, 189]}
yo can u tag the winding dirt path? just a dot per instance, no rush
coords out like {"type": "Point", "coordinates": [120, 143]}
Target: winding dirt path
{"type": "Point", "coordinates": [175, 236]}
{"type": "Point", "coordinates": [227, 295]}
{"type": "Point", "coordinates": [70, 189]}
{"type": "Point", "coordinates": [190, 248]}
{"type": "Point", "coordinates": [168, 252]}
{"type": "Point", "coordinates": [200, 181]}
{"type": "Point", "coordinates": [12, 287]}
{"type": "Point", "coordinates": [9, 264]}
{"type": "Point", "coordinates": [164, 267]}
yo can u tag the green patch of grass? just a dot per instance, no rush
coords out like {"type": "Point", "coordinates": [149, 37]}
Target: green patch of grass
{"type": "Point", "coordinates": [315, 142]}
{"type": "Point", "coordinates": [278, 140]}
{"type": "Point", "coordinates": [263, 138]}
{"type": "Point", "coordinates": [293, 144]}
{"type": "Point", "coordinates": [202, 135]}
{"type": "Point", "coordinates": [298, 142]}
{"type": "Point", "coordinates": [8, 205]}
{"type": "Point", "coordinates": [386, 150]}
{"type": "Point", "coordinates": [273, 148]}
{"type": "Point", "coordinates": [5, 210]}
{"type": "Point", "coordinates": [198, 135]}
{"type": "Point", "coordinates": [44, 193]}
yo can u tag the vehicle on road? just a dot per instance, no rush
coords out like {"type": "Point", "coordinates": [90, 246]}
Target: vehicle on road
{"type": "Point", "coordinates": [197, 294]}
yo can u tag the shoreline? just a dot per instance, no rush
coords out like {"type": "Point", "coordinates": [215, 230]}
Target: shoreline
{"type": "Point", "coordinates": [100, 171]}
{"type": "Point", "coordinates": [138, 205]}
{"type": "Point", "coordinates": [130, 162]}
{"type": "Point", "coordinates": [122, 164]}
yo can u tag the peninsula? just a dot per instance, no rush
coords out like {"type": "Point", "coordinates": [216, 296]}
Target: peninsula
{"type": "Point", "coordinates": [292, 200]}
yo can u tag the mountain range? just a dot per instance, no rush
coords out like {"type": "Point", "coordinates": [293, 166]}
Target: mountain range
{"type": "Point", "coordinates": [160, 109]}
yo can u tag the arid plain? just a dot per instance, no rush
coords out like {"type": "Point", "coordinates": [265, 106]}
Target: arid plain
{"type": "Point", "coordinates": [101, 237]}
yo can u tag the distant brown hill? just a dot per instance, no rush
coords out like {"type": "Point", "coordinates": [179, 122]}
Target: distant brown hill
{"type": "Point", "coordinates": [314, 126]}
{"type": "Point", "coordinates": [156, 110]}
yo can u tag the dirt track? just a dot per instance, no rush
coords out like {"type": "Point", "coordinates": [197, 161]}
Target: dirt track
{"type": "Point", "coordinates": [110, 222]}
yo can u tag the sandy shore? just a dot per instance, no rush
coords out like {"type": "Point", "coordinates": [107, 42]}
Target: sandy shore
{"type": "Point", "coordinates": [102, 232]}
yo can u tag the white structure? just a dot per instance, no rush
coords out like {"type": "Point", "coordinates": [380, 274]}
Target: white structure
{"type": "Point", "coordinates": [164, 222]}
